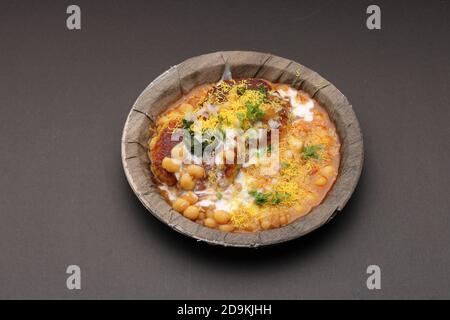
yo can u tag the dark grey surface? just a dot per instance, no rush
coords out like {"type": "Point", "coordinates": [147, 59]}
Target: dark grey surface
{"type": "Point", "coordinates": [64, 199]}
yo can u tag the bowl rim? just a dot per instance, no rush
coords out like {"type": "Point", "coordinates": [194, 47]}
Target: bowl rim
{"type": "Point", "coordinates": [207, 68]}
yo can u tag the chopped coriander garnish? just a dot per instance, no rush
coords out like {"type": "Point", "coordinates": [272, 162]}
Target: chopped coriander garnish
{"type": "Point", "coordinates": [222, 120]}
{"type": "Point", "coordinates": [241, 90]}
{"type": "Point", "coordinates": [260, 198]}
{"type": "Point", "coordinates": [189, 141]}
{"type": "Point", "coordinates": [262, 89]}
{"type": "Point", "coordinates": [278, 197]}
{"type": "Point", "coordinates": [240, 116]}
{"type": "Point", "coordinates": [272, 197]}
{"type": "Point", "coordinates": [254, 112]}
{"type": "Point", "coordinates": [310, 152]}
{"type": "Point", "coordinates": [285, 165]}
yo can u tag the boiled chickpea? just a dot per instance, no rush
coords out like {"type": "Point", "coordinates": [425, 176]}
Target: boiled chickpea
{"type": "Point", "coordinates": [221, 216]}
{"type": "Point", "coordinates": [210, 223]}
{"type": "Point", "coordinates": [185, 107]}
{"type": "Point", "coordinates": [190, 197]}
{"type": "Point", "coordinates": [288, 154]}
{"type": "Point", "coordinates": [178, 152]}
{"type": "Point", "coordinates": [311, 198]}
{"type": "Point", "coordinates": [327, 171]}
{"type": "Point", "coordinates": [191, 212]}
{"type": "Point", "coordinates": [210, 213]}
{"type": "Point", "coordinates": [318, 116]}
{"type": "Point", "coordinates": [299, 208]}
{"type": "Point", "coordinates": [327, 140]}
{"type": "Point", "coordinates": [180, 205]}
{"type": "Point", "coordinates": [321, 181]}
{"type": "Point", "coordinates": [294, 143]}
{"type": "Point", "coordinates": [186, 182]}
{"type": "Point", "coordinates": [226, 228]}
{"type": "Point", "coordinates": [252, 227]}
{"type": "Point", "coordinates": [171, 165]}
{"type": "Point", "coordinates": [265, 224]}
{"type": "Point", "coordinates": [276, 221]}
{"type": "Point", "coordinates": [195, 171]}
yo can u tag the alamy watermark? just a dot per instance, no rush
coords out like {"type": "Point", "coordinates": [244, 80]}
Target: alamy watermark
{"type": "Point", "coordinates": [374, 280]}
{"type": "Point", "coordinates": [73, 21]}
{"type": "Point", "coordinates": [230, 146]}
{"type": "Point", "coordinates": [73, 282]}
{"type": "Point", "coordinates": [374, 20]}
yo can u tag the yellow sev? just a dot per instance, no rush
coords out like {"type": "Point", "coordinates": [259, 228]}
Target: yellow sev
{"type": "Point", "coordinates": [292, 180]}
{"type": "Point", "coordinates": [228, 113]}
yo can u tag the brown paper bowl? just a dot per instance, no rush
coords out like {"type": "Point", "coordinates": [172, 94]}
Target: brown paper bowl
{"type": "Point", "coordinates": [208, 68]}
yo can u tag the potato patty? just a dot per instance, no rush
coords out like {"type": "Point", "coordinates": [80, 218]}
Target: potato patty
{"type": "Point", "coordinates": [161, 149]}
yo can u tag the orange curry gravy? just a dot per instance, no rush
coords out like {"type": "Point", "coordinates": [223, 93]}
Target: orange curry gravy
{"type": "Point", "coordinates": [258, 193]}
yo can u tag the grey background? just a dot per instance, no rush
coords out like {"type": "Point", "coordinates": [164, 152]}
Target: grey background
{"type": "Point", "coordinates": [64, 97]}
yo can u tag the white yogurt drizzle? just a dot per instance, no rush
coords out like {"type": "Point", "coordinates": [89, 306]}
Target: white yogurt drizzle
{"type": "Point", "coordinates": [230, 200]}
{"type": "Point", "coordinates": [301, 110]}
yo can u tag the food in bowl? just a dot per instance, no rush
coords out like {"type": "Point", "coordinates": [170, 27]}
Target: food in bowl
{"type": "Point", "coordinates": [244, 155]}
